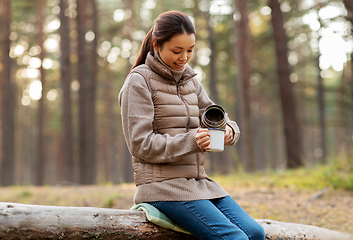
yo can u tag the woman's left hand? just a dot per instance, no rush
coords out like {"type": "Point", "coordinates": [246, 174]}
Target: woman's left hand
{"type": "Point", "coordinates": [228, 136]}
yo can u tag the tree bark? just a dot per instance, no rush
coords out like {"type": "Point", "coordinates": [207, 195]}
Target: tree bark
{"type": "Point", "coordinates": [7, 154]}
{"type": "Point", "coordinates": [291, 129]}
{"type": "Point", "coordinates": [66, 163]}
{"type": "Point", "coordinates": [243, 83]}
{"type": "Point", "coordinates": [20, 221]}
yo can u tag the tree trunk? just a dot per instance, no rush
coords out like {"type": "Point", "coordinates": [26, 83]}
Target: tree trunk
{"type": "Point", "coordinates": [275, 144]}
{"type": "Point", "coordinates": [212, 83]}
{"type": "Point", "coordinates": [106, 129]}
{"type": "Point", "coordinates": [349, 6]}
{"type": "Point", "coordinates": [321, 108]}
{"type": "Point", "coordinates": [91, 98]}
{"type": "Point", "coordinates": [20, 221]}
{"type": "Point", "coordinates": [212, 66]}
{"type": "Point", "coordinates": [291, 129]}
{"type": "Point", "coordinates": [7, 154]}
{"type": "Point", "coordinates": [128, 174]}
{"type": "Point", "coordinates": [39, 166]}
{"type": "Point", "coordinates": [66, 164]}
{"type": "Point", "coordinates": [340, 145]}
{"type": "Point", "coordinates": [87, 160]}
{"type": "Point", "coordinates": [243, 83]}
{"type": "Point", "coordinates": [322, 118]}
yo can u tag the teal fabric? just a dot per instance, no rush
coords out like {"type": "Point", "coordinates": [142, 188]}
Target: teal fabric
{"type": "Point", "coordinates": [157, 217]}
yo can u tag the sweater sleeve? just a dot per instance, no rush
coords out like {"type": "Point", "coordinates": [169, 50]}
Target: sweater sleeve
{"type": "Point", "coordinates": [137, 113]}
{"type": "Point", "coordinates": [204, 101]}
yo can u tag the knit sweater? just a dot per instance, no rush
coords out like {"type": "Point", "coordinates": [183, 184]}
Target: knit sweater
{"type": "Point", "coordinates": [167, 161]}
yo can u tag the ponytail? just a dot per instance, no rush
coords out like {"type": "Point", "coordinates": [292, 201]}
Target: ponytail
{"type": "Point", "coordinates": [166, 26]}
{"type": "Point", "coordinates": [147, 46]}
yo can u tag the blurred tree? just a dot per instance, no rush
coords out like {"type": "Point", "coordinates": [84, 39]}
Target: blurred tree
{"type": "Point", "coordinates": [291, 129]}
{"type": "Point", "coordinates": [66, 162]}
{"type": "Point", "coordinates": [93, 83]}
{"type": "Point", "coordinates": [94, 24]}
{"type": "Point", "coordinates": [39, 165]}
{"type": "Point", "coordinates": [216, 159]}
{"type": "Point", "coordinates": [87, 147]}
{"type": "Point", "coordinates": [321, 108]}
{"type": "Point", "coordinates": [212, 80]}
{"type": "Point", "coordinates": [243, 83]}
{"type": "Point", "coordinates": [129, 28]}
{"type": "Point", "coordinates": [349, 6]}
{"type": "Point", "coordinates": [7, 160]}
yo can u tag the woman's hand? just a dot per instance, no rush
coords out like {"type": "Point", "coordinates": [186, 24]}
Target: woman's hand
{"type": "Point", "coordinates": [228, 136]}
{"type": "Point", "coordinates": [203, 138]}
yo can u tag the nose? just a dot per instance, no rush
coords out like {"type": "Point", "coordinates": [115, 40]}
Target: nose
{"type": "Point", "coordinates": [183, 57]}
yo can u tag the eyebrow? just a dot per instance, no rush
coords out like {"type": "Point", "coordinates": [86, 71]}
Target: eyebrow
{"type": "Point", "coordinates": [183, 48]}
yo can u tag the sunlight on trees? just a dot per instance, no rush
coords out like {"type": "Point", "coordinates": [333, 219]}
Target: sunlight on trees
{"type": "Point", "coordinates": [52, 94]}
{"type": "Point", "coordinates": [90, 36]}
{"type": "Point", "coordinates": [333, 48]}
{"type": "Point", "coordinates": [221, 7]}
{"type": "Point", "coordinates": [203, 56]}
{"type": "Point", "coordinates": [35, 90]}
{"type": "Point", "coordinates": [52, 26]}
{"type": "Point", "coordinates": [48, 63]}
{"type": "Point", "coordinates": [51, 44]}
{"type": "Point", "coordinates": [119, 15]}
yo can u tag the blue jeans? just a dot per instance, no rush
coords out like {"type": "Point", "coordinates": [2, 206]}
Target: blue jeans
{"type": "Point", "coordinates": [220, 218]}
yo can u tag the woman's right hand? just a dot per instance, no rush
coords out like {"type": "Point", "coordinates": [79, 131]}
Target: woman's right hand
{"type": "Point", "coordinates": [203, 138]}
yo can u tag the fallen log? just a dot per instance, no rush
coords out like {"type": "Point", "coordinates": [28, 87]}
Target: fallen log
{"type": "Point", "coordinates": [21, 221]}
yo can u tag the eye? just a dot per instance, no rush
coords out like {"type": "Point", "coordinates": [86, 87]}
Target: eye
{"type": "Point", "coordinates": [176, 52]}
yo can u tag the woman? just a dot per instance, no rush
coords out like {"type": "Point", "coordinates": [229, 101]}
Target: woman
{"type": "Point", "coordinates": [161, 104]}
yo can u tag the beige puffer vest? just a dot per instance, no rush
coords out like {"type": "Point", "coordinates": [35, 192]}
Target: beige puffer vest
{"type": "Point", "coordinates": [176, 111]}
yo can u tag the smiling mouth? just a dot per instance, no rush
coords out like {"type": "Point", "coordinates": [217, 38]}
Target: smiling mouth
{"type": "Point", "coordinates": [179, 65]}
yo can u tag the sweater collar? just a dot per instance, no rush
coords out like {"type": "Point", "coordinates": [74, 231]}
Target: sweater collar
{"type": "Point", "coordinates": [162, 69]}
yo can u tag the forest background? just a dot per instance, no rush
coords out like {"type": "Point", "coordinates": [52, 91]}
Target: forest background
{"type": "Point", "coordinates": [281, 69]}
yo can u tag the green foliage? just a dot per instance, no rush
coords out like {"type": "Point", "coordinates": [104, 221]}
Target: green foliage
{"type": "Point", "coordinates": [25, 194]}
{"type": "Point", "coordinates": [340, 175]}
{"type": "Point", "coordinates": [109, 202]}
{"type": "Point", "coordinates": [337, 176]}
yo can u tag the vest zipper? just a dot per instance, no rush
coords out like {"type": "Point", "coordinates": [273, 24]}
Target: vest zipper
{"type": "Point", "coordinates": [198, 165]}
{"type": "Point", "coordinates": [187, 128]}
{"type": "Point", "coordinates": [186, 107]}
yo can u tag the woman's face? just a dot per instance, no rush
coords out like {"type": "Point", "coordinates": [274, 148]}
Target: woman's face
{"type": "Point", "coordinates": [177, 51]}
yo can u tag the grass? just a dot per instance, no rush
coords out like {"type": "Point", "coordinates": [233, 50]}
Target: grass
{"type": "Point", "coordinates": [338, 175]}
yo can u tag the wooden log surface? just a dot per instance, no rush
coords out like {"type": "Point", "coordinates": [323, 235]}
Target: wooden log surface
{"type": "Point", "coordinates": [21, 221]}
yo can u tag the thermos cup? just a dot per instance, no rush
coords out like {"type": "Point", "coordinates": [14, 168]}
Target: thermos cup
{"type": "Point", "coordinates": [213, 118]}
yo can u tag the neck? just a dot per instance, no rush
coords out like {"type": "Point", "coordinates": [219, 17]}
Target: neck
{"type": "Point", "coordinates": [177, 74]}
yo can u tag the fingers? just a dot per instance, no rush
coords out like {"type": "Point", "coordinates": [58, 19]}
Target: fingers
{"type": "Point", "coordinates": [228, 136]}
{"type": "Point", "coordinates": [203, 138]}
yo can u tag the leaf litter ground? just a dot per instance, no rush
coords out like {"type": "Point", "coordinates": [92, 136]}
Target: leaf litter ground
{"type": "Point", "coordinates": [327, 208]}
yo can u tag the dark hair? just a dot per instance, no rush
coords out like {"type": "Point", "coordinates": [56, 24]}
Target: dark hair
{"type": "Point", "coordinates": [166, 26]}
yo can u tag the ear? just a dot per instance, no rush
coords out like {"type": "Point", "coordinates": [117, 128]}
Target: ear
{"type": "Point", "coordinates": [155, 45]}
